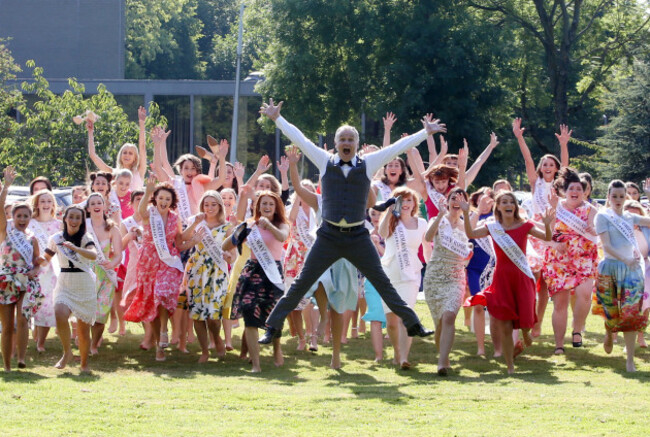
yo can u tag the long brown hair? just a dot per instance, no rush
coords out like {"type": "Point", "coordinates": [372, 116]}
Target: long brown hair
{"type": "Point", "coordinates": [497, 213]}
{"type": "Point", "coordinates": [406, 193]}
{"type": "Point", "coordinates": [279, 216]}
{"type": "Point", "coordinates": [108, 223]}
{"type": "Point", "coordinates": [442, 171]}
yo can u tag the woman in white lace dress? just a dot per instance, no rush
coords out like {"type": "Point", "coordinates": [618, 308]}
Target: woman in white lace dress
{"type": "Point", "coordinates": [445, 280]}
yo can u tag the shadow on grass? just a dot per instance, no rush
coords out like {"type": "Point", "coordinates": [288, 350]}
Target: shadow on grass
{"type": "Point", "coordinates": [21, 376]}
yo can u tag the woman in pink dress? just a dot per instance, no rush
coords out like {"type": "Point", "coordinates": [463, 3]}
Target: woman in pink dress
{"type": "Point", "coordinates": [156, 293]}
{"type": "Point", "coordinates": [510, 298]}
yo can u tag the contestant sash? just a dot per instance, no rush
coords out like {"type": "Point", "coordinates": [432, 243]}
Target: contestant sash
{"type": "Point", "coordinates": [574, 222]}
{"type": "Point", "coordinates": [384, 190]}
{"type": "Point", "coordinates": [73, 256]}
{"type": "Point", "coordinates": [110, 274]}
{"type": "Point", "coordinates": [304, 227]}
{"type": "Point", "coordinates": [485, 243]}
{"type": "Point", "coordinates": [438, 199]}
{"type": "Point", "coordinates": [212, 246]}
{"type": "Point", "coordinates": [264, 257]}
{"type": "Point", "coordinates": [407, 269]}
{"type": "Point", "coordinates": [184, 208]}
{"type": "Point", "coordinates": [448, 241]}
{"type": "Point", "coordinates": [42, 237]}
{"type": "Point", "coordinates": [20, 242]}
{"type": "Point", "coordinates": [540, 196]}
{"type": "Point", "coordinates": [627, 230]}
{"type": "Point", "coordinates": [112, 197]}
{"type": "Point", "coordinates": [130, 223]}
{"type": "Point", "coordinates": [510, 248]}
{"type": "Point", "coordinates": [160, 241]}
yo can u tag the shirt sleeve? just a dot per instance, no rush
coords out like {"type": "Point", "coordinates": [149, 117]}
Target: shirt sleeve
{"type": "Point", "coordinates": [376, 160]}
{"type": "Point", "coordinates": [601, 223]}
{"type": "Point", "coordinates": [314, 153]}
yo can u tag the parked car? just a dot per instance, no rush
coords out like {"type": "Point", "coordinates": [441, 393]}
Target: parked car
{"type": "Point", "coordinates": [63, 196]}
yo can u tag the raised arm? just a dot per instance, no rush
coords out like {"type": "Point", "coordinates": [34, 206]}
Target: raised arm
{"type": "Point", "coordinates": [314, 153]}
{"type": "Point", "coordinates": [470, 231]}
{"type": "Point", "coordinates": [548, 218]}
{"type": "Point", "coordinates": [245, 193]}
{"type": "Point", "coordinates": [90, 126]}
{"type": "Point", "coordinates": [416, 183]}
{"type": "Point", "coordinates": [376, 160]}
{"type": "Point", "coordinates": [262, 166]}
{"type": "Point", "coordinates": [563, 137]}
{"type": "Point", "coordinates": [389, 120]}
{"type": "Point", "coordinates": [218, 182]}
{"type": "Point", "coordinates": [463, 156]}
{"type": "Point", "coordinates": [142, 142]}
{"type": "Point", "coordinates": [144, 201]}
{"type": "Point", "coordinates": [9, 177]}
{"type": "Point", "coordinates": [384, 222]}
{"type": "Point", "coordinates": [434, 223]}
{"type": "Point", "coordinates": [238, 169]}
{"type": "Point", "coordinates": [283, 167]}
{"type": "Point", "coordinates": [531, 172]}
{"type": "Point", "coordinates": [164, 171]}
{"type": "Point", "coordinates": [476, 167]}
{"type": "Point", "coordinates": [311, 199]}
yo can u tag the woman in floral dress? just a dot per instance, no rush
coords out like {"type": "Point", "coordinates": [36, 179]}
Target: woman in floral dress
{"type": "Point", "coordinates": [206, 279]}
{"type": "Point", "coordinates": [620, 290]}
{"type": "Point", "coordinates": [571, 259]}
{"type": "Point", "coordinates": [20, 293]}
{"type": "Point", "coordinates": [43, 225]}
{"type": "Point", "coordinates": [156, 294]}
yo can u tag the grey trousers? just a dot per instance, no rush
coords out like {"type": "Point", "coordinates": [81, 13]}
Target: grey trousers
{"type": "Point", "coordinates": [331, 244]}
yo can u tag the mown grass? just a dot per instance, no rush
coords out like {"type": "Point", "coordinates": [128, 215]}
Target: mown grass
{"type": "Point", "coordinates": [584, 392]}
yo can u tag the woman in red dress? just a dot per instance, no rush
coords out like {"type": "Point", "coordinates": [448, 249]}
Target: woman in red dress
{"type": "Point", "coordinates": [510, 298]}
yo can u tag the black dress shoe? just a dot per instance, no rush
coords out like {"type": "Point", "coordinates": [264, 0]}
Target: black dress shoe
{"type": "Point", "coordinates": [269, 335]}
{"type": "Point", "coordinates": [239, 235]}
{"type": "Point", "coordinates": [418, 330]}
{"type": "Point", "coordinates": [381, 207]}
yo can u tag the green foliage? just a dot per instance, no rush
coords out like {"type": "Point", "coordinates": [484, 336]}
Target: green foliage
{"type": "Point", "coordinates": [162, 40]}
{"type": "Point", "coordinates": [47, 142]}
{"type": "Point", "coordinates": [9, 98]}
{"type": "Point", "coordinates": [627, 136]}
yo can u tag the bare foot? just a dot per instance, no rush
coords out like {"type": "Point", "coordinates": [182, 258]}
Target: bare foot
{"type": "Point", "coordinates": [480, 352]}
{"type": "Point", "coordinates": [243, 356]}
{"type": "Point", "coordinates": [608, 344]}
{"type": "Point", "coordinates": [65, 359]}
{"type": "Point", "coordinates": [160, 354]}
{"type": "Point", "coordinates": [354, 332]}
{"type": "Point", "coordinates": [497, 355]}
{"type": "Point", "coordinates": [641, 341]}
{"type": "Point", "coordinates": [40, 348]}
{"type": "Point", "coordinates": [93, 351]}
{"type": "Point", "coordinates": [278, 360]}
{"type": "Point", "coordinates": [212, 345]}
{"type": "Point", "coordinates": [301, 344]}
{"type": "Point", "coordinates": [536, 331]}
{"type": "Point", "coordinates": [630, 367]}
{"type": "Point", "coordinates": [527, 338]}
{"type": "Point", "coordinates": [185, 351]}
{"type": "Point", "coordinates": [511, 370]}
{"type": "Point", "coordinates": [204, 358]}
{"type": "Point", "coordinates": [362, 328]}
{"type": "Point", "coordinates": [336, 363]}
{"type": "Point", "coordinates": [122, 329]}
{"type": "Point", "coordinates": [256, 369]}
{"type": "Point", "coordinates": [145, 346]}
{"type": "Point", "coordinates": [86, 370]}
{"type": "Point", "coordinates": [229, 348]}
{"type": "Point", "coordinates": [344, 340]}
{"type": "Point", "coordinates": [379, 359]}
{"type": "Point", "coordinates": [221, 351]}
{"type": "Point", "coordinates": [113, 326]}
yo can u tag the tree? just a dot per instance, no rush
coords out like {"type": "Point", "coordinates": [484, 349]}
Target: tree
{"type": "Point", "coordinates": [47, 142]}
{"type": "Point", "coordinates": [627, 136]}
{"type": "Point", "coordinates": [9, 98]}
{"type": "Point", "coordinates": [340, 59]}
{"type": "Point", "coordinates": [580, 41]}
{"type": "Point", "coordinates": [162, 40]}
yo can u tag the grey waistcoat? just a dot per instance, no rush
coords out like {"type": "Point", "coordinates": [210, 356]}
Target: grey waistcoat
{"type": "Point", "coordinates": [345, 198]}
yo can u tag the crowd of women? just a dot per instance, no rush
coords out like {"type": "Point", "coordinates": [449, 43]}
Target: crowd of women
{"type": "Point", "coordinates": [180, 246]}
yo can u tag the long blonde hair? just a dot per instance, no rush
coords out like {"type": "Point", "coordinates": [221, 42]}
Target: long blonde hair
{"type": "Point", "coordinates": [118, 160]}
{"type": "Point", "coordinates": [35, 199]}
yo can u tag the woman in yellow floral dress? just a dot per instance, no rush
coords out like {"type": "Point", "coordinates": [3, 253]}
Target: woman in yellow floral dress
{"type": "Point", "coordinates": [206, 274]}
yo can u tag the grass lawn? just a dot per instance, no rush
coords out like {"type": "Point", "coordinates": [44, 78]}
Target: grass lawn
{"type": "Point", "coordinates": [584, 392]}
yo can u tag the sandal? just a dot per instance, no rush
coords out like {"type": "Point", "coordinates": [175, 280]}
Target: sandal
{"type": "Point", "coordinates": [559, 350]}
{"type": "Point", "coordinates": [577, 343]}
{"type": "Point", "coordinates": [405, 365]}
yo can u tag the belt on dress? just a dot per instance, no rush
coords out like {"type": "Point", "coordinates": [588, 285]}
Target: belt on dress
{"type": "Point", "coordinates": [344, 229]}
{"type": "Point", "coordinates": [71, 270]}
